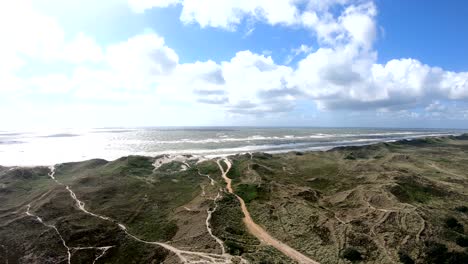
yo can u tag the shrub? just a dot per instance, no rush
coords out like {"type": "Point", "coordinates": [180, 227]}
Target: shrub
{"type": "Point", "coordinates": [234, 248]}
{"type": "Point", "coordinates": [405, 258]}
{"type": "Point", "coordinates": [352, 254]}
{"type": "Point", "coordinates": [453, 224]}
{"type": "Point", "coordinates": [462, 209]}
{"type": "Point", "coordinates": [435, 253]}
{"type": "Point", "coordinates": [462, 241]}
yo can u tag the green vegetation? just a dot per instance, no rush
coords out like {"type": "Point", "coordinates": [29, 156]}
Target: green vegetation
{"type": "Point", "coordinates": [411, 189]}
{"type": "Point", "coordinates": [385, 203]}
{"type": "Point", "coordinates": [453, 224]}
{"type": "Point", "coordinates": [405, 258]}
{"type": "Point", "coordinates": [130, 166]}
{"type": "Point", "coordinates": [320, 183]}
{"type": "Point", "coordinates": [250, 192]}
{"type": "Point", "coordinates": [462, 241]}
{"type": "Point", "coordinates": [227, 225]}
{"type": "Point", "coordinates": [236, 171]}
{"type": "Point", "coordinates": [352, 255]}
{"type": "Point", "coordinates": [126, 190]}
{"type": "Point", "coordinates": [392, 192]}
{"type": "Point", "coordinates": [462, 209]}
{"type": "Point", "coordinates": [209, 167]}
{"type": "Point", "coordinates": [439, 254]}
{"type": "Point", "coordinates": [247, 192]}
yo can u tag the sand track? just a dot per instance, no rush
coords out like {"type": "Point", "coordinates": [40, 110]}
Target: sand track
{"type": "Point", "coordinates": [185, 256]}
{"type": "Point", "coordinates": [70, 250]}
{"type": "Point", "coordinates": [257, 230]}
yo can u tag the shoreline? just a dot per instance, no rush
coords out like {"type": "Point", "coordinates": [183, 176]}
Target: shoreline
{"type": "Point", "coordinates": [273, 152]}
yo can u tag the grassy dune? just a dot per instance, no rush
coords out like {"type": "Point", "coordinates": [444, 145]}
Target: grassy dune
{"type": "Point", "coordinates": [384, 203]}
{"type": "Point", "coordinates": [402, 202]}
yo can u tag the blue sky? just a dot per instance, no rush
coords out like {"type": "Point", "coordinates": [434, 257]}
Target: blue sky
{"type": "Point", "coordinates": [210, 62]}
{"type": "Point", "coordinates": [431, 31]}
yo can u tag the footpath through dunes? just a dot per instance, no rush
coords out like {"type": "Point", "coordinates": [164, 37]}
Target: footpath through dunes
{"type": "Point", "coordinates": [257, 230]}
{"type": "Point", "coordinates": [185, 256]}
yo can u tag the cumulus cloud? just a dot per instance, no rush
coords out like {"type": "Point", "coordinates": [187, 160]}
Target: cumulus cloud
{"type": "Point", "coordinates": [129, 69]}
{"type": "Point", "coordinates": [82, 49]}
{"type": "Point", "coordinates": [346, 78]}
{"type": "Point", "coordinates": [248, 75]}
{"type": "Point", "coordinates": [38, 36]}
{"type": "Point", "coordinates": [142, 56]}
{"type": "Point", "coordinates": [435, 106]}
{"type": "Point", "coordinates": [247, 83]}
{"type": "Point", "coordinates": [227, 14]}
{"type": "Point", "coordinates": [303, 49]}
{"type": "Point", "coordinates": [142, 5]}
{"type": "Point", "coordinates": [342, 72]}
{"type": "Point", "coordinates": [51, 83]}
{"type": "Point", "coordinates": [29, 35]}
{"type": "Point", "coordinates": [355, 23]}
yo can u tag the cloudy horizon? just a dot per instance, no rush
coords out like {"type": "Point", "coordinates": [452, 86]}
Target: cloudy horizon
{"type": "Point", "coordinates": [217, 63]}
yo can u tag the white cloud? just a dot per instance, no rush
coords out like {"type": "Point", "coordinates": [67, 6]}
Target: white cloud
{"type": "Point", "coordinates": [27, 32]}
{"type": "Point", "coordinates": [230, 13]}
{"type": "Point", "coordinates": [248, 83]}
{"type": "Point", "coordinates": [343, 72]}
{"type": "Point", "coordinates": [51, 83]}
{"type": "Point", "coordinates": [133, 66]}
{"type": "Point", "coordinates": [249, 76]}
{"type": "Point", "coordinates": [30, 35]}
{"type": "Point", "coordinates": [453, 84]}
{"type": "Point", "coordinates": [191, 82]}
{"type": "Point", "coordinates": [345, 78]}
{"type": "Point", "coordinates": [356, 23]}
{"type": "Point", "coordinates": [82, 49]}
{"type": "Point", "coordinates": [10, 83]}
{"type": "Point", "coordinates": [142, 56]}
{"type": "Point", "coordinates": [227, 14]}
{"type": "Point", "coordinates": [141, 5]}
{"type": "Point", "coordinates": [435, 106]}
{"type": "Point", "coordinates": [249, 32]}
{"type": "Point", "coordinates": [303, 49]}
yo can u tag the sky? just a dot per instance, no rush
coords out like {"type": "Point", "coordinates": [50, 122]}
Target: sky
{"type": "Point", "coordinates": [339, 63]}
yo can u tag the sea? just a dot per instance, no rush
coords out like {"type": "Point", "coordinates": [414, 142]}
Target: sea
{"type": "Point", "coordinates": [48, 147]}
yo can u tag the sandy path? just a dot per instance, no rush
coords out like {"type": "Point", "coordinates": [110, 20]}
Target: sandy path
{"type": "Point", "coordinates": [212, 182]}
{"type": "Point", "coordinates": [434, 166]}
{"type": "Point", "coordinates": [208, 225]}
{"type": "Point", "coordinates": [69, 254]}
{"type": "Point", "coordinates": [185, 256]}
{"type": "Point", "coordinates": [257, 230]}
{"type": "Point", "coordinates": [70, 250]}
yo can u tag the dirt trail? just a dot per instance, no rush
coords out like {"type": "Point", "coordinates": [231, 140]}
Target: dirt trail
{"type": "Point", "coordinates": [70, 250]}
{"type": "Point", "coordinates": [185, 256]}
{"type": "Point", "coordinates": [28, 213]}
{"type": "Point", "coordinates": [208, 226]}
{"type": "Point", "coordinates": [380, 242]}
{"type": "Point", "coordinates": [212, 182]}
{"type": "Point", "coordinates": [434, 166]}
{"type": "Point", "coordinates": [257, 230]}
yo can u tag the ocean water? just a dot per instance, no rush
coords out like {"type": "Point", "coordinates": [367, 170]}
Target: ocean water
{"type": "Point", "coordinates": [25, 148]}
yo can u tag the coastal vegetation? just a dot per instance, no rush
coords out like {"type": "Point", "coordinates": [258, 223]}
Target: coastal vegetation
{"type": "Point", "coordinates": [400, 202]}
